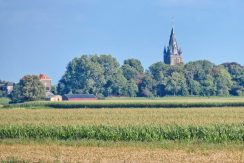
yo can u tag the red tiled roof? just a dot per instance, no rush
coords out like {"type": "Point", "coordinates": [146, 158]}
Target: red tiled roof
{"type": "Point", "coordinates": [44, 77]}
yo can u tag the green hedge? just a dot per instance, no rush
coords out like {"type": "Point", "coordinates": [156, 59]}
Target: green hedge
{"type": "Point", "coordinates": [215, 133]}
{"type": "Point", "coordinates": [124, 104]}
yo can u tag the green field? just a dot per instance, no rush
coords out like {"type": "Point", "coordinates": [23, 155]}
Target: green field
{"type": "Point", "coordinates": [167, 102]}
{"type": "Point", "coordinates": [217, 132]}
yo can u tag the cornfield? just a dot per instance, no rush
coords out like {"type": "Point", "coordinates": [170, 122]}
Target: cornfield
{"type": "Point", "coordinates": [215, 133]}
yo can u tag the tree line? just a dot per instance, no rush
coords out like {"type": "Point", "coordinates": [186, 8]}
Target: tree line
{"type": "Point", "coordinates": [103, 76]}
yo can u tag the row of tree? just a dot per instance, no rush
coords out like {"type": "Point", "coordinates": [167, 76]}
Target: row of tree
{"type": "Point", "coordinates": [103, 76]}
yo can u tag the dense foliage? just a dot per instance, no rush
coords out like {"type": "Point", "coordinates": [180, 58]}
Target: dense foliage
{"type": "Point", "coordinates": [103, 76]}
{"type": "Point", "coordinates": [3, 89]}
{"type": "Point", "coordinates": [99, 75]}
{"type": "Point", "coordinates": [214, 133]}
{"type": "Point", "coordinates": [29, 88]}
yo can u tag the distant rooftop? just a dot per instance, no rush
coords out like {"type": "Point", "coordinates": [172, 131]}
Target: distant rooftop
{"type": "Point", "coordinates": [10, 84]}
{"type": "Point", "coordinates": [44, 77]}
{"type": "Point", "coordinates": [80, 96]}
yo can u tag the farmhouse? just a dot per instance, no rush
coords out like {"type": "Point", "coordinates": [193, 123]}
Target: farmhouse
{"type": "Point", "coordinates": [51, 97]}
{"type": "Point", "coordinates": [55, 98]}
{"type": "Point", "coordinates": [79, 97]}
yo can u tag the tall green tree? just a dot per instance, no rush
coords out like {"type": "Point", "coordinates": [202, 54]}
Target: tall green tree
{"type": "Point", "coordinates": [99, 75]}
{"type": "Point", "coordinates": [199, 74]}
{"type": "Point", "coordinates": [29, 88]}
{"type": "Point", "coordinates": [147, 86]}
{"type": "Point", "coordinates": [131, 89]}
{"type": "Point", "coordinates": [115, 82]}
{"type": "Point", "coordinates": [223, 82]}
{"type": "Point", "coordinates": [132, 69]}
{"type": "Point", "coordinates": [136, 64]}
{"type": "Point", "coordinates": [236, 72]}
{"type": "Point", "coordinates": [176, 85]}
{"type": "Point", "coordinates": [160, 73]}
{"type": "Point", "coordinates": [83, 75]}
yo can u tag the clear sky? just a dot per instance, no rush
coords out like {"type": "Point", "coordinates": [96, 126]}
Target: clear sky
{"type": "Point", "coordinates": [42, 36]}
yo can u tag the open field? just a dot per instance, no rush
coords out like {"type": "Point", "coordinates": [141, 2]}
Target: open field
{"type": "Point", "coordinates": [123, 117]}
{"type": "Point", "coordinates": [37, 132]}
{"type": "Point", "coordinates": [34, 152]}
{"type": "Point", "coordinates": [139, 103]}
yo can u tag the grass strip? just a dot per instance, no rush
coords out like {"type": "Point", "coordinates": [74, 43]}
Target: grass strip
{"type": "Point", "coordinates": [124, 104]}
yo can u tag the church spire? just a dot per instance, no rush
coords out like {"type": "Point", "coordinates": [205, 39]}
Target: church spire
{"type": "Point", "coordinates": [172, 54]}
{"type": "Point", "coordinates": [173, 47]}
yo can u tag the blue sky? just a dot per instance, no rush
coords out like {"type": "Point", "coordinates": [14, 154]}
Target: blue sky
{"type": "Point", "coordinates": [42, 36]}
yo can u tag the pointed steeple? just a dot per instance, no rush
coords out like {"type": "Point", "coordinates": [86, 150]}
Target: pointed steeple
{"type": "Point", "coordinates": [173, 47]}
{"type": "Point", "coordinates": [172, 35]}
{"type": "Point", "coordinates": [172, 55]}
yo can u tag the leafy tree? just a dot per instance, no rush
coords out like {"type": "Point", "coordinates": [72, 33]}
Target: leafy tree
{"type": "Point", "coordinates": [236, 72]}
{"type": "Point", "coordinates": [115, 82]}
{"type": "Point", "coordinates": [237, 90]}
{"type": "Point", "coordinates": [160, 73]}
{"type": "Point", "coordinates": [16, 95]}
{"type": "Point", "coordinates": [207, 86]}
{"type": "Point", "coordinates": [93, 74]}
{"type": "Point", "coordinates": [147, 86]}
{"type": "Point", "coordinates": [176, 85]}
{"type": "Point", "coordinates": [83, 75]}
{"type": "Point", "coordinates": [132, 88]}
{"type": "Point", "coordinates": [136, 64]}
{"type": "Point", "coordinates": [132, 69]}
{"type": "Point", "coordinates": [129, 72]}
{"type": "Point", "coordinates": [194, 87]}
{"type": "Point", "coordinates": [3, 89]}
{"type": "Point", "coordinates": [199, 73]}
{"type": "Point", "coordinates": [54, 90]}
{"type": "Point", "coordinates": [29, 88]}
{"type": "Point", "coordinates": [222, 81]}
{"type": "Point", "coordinates": [159, 70]}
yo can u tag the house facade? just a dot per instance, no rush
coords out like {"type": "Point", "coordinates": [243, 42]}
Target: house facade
{"type": "Point", "coordinates": [55, 98]}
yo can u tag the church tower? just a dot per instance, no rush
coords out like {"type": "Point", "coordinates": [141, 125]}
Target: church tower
{"type": "Point", "coordinates": [173, 54]}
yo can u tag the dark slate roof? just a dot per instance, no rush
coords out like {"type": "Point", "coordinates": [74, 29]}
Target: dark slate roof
{"type": "Point", "coordinates": [10, 84]}
{"type": "Point", "coordinates": [80, 96]}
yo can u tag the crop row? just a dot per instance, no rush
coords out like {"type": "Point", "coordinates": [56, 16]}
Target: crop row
{"type": "Point", "coordinates": [215, 133]}
{"type": "Point", "coordinates": [126, 104]}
